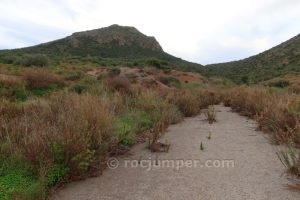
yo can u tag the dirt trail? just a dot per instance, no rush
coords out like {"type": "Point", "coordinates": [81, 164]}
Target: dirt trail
{"type": "Point", "coordinates": [257, 174]}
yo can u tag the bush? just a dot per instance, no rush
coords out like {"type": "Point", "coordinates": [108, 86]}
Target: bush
{"type": "Point", "coordinates": [154, 62]}
{"type": "Point", "coordinates": [9, 59]}
{"type": "Point", "coordinates": [78, 88]}
{"type": "Point", "coordinates": [132, 123]}
{"type": "Point", "coordinates": [159, 108]}
{"type": "Point", "coordinates": [56, 173]}
{"type": "Point", "coordinates": [38, 60]}
{"type": "Point", "coordinates": [187, 102]}
{"type": "Point", "coordinates": [125, 129]}
{"type": "Point", "coordinates": [280, 84]}
{"type": "Point", "coordinates": [170, 81]}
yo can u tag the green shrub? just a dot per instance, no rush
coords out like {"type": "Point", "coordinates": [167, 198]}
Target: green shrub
{"type": "Point", "coordinates": [13, 91]}
{"type": "Point", "coordinates": [56, 174]}
{"type": "Point", "coordinates": [43, 91]}
{"type": "Point", "coordinates": [125, 129]}
{"type": "Point", "coordinates": [280, 84]}
{"type": "Point", "coordinates": [17, 180]}
{"type": "Point", "coordinates": [170, 81]}
{"type": "Point", "coordinates": [154, 62]}
{"type": "Point", "coordinates": [78, 88]}
{"type": "Point", "coordinates": [20, 94]}
{"type": "Point", "coordinates": [143, 121]}
{"type": "Point", "coordinates": [9, 59]}
{"type": "Point", "coordinates": [38, 60]}
{"type": "Point", "coordinates": [135, 63]}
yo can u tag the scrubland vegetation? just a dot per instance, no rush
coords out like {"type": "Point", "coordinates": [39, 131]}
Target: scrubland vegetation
{"type": "Point", "coordinates": [58, 126]}
{"type": "Point", "coordinates": [61, 124]}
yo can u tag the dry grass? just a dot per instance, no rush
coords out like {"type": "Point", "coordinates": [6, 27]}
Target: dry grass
{"type": "Point", "coordinates": [190, 102]}
{"type": "Point", "coordinates": [39, 78]}
{"type": "Point", "coordinates": [211, 114]}
{"type": "Point", "coordinates": [160, 109]}
{"type": "Point", "coordinates": [295, 88]}
{"type": "Point", "coordinates": [187, 102]}
{"type": "Point", "coordinates": [10, 81]}
{"type": "Point", "coordinates": [119, 83]}
{"type": "Point", "coordinates": [65, 129]}
{"type": "Point", "coordinates": [291, 160]}
{"type": "Point", "coordinates": [77, 131]}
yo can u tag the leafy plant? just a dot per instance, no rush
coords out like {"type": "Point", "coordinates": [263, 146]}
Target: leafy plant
{"type": "Point", "coordinates": [56, 174]}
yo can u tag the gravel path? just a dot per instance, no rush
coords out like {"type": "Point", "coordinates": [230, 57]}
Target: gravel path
{"type": "Point", "coordinates": [257, 172]}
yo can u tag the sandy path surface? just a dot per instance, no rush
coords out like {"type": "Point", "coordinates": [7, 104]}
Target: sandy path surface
{"type": "Point", "coordinates": [257, 172]}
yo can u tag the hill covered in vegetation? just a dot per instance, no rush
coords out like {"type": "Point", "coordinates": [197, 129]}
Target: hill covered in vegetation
{"type": "Point", "coordinates": [280, 60]}
{"type": "Point", "coordinates": [122, 44]}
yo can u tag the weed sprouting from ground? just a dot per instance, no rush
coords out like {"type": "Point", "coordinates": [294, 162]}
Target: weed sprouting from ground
{"type": "Point", "coordinates": [201, 146]}
{"type": "Point", "coordinates": [291, 160]}
{"type": "Point", "coordinates": [211, 114]}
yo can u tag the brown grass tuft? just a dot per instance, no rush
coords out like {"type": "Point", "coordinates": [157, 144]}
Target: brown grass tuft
{"type": "Point", "coordinates": [211, 114]}
{"type": "Point", "coordinates": [119, 83]}
{"type": "Point", "coordinates": [39, 78]}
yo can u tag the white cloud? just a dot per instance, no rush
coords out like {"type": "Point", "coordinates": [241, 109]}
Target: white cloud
{"type": "Point", "coordinates": [203, 31]}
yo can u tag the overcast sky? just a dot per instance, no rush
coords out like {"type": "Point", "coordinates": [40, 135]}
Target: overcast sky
{"type": "Point", "coordinates": [203, 31]}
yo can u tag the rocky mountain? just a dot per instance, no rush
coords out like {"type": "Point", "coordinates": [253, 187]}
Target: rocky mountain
{"type": "Point", "coordinates": [112, 41]}
{"type": "Point", "coordinates": [116, 42]}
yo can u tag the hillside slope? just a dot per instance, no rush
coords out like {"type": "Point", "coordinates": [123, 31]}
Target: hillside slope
{"type": "Point", "coordinates": [120, 42]}
{"type": "Point", "coordinates": [279, 60]}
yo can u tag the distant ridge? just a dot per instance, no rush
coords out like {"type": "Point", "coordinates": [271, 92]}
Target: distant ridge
{"type": "Point", "coordinates": [279, 60]}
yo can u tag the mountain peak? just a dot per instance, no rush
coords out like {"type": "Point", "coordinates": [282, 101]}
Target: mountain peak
{"type": "Point", "coordinates": [119, 35]}
{"type": "Point", "coordinates": [113, 41]}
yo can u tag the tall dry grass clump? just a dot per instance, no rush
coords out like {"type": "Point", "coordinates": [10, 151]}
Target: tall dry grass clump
{"type": "Point", "coordinates": [70, 130]}
{"type": "Point", "coordinates": [160, 109]}
{"type": "Point", "coordinates": [275, 113]}
{"type": "Point", "coordinates": [119, 83]}
{"type": "Point", "coordinates": [211, 115]}
{"type": "Point", "coordinates": [187, 102]}
{"type": "Point", "coordinates": [40, 78]}
{"type": "Point", "coordinates": [190, 102]}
